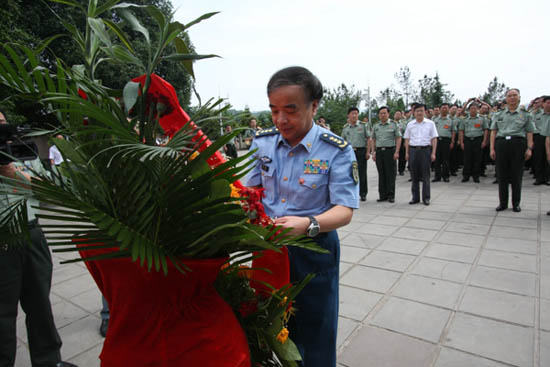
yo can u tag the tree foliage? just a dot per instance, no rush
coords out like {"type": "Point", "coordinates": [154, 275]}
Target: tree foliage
{"type": "Point", "coordinates": [335, 103]}
{"type": "Point", "coordinates": [432, 91]}
{"type": "Point", "coordinates": [496, 91]}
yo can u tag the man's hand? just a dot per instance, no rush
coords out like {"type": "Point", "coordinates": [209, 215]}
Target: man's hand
{"type": "Point", "coordinates": [373, 157]}
{"type": "Point", "coordinates": [452, 145]}
{"type": "Point", "coordinates": [462, 146]}
{"type": "Point", "coordinates": [433, 157]}
{"type": "Point", "coordinates": [395, 156]}
{"type": "Point", "coordinates": [299, 224]}
{"type": "Point", "coordinates": [367, 156]}
{"type": "Point", "coordinates": [483, 145]}
{"type": "Point", "coordinates": [407, 157]}
{"type": "Point", "coordinates": [8, 170]}
{"type": "Point", "coordinates": [528, 154]}
{"type": "Point", "coordinates": [493, 154]}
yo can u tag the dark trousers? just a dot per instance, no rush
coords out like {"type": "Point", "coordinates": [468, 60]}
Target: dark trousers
{"type": "Point", "coordinates": [315, 325]}
{"type": "Point", "coordinates": [419, 165]}
{"type": "Point", "coordinates": [360, 154]}
{"type": "Point", "coordinates": [540, 164]}
{"type": "Point", "coordinates": [386, 166]}
{"type": "Point", "coordinates": [455, 158]}
{"type": "Point", "coordinates": [231, 151]}
{"type": "Point", "coordinates": [442, 157]}
{"type": "Point", "coordinates": [105, 313]}
{"type": "Point", "coordinates": [509, 164]}
{"type": "Point", "coordinates": [472, 157]}
{"type": "Point", "coordinates": [402, 161]}
{"type": "Point", "coordinates": [26, 276]}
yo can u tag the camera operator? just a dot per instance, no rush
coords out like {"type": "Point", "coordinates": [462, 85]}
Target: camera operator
{"type": "Point", "coordinates": [25, 276]}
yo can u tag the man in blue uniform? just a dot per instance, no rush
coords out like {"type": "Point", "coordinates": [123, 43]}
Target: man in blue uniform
{"type": "Point", "coordinates": [310, 178]}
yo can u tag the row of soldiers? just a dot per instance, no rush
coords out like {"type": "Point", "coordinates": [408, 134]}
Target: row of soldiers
{"type": "Point", "coordinates": [464, 140]}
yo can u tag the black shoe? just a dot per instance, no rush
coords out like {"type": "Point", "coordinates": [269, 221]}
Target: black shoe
{"type": "Point", "coordinates": [446, 179]}
{"type": "Point", "coordinates": [495, 181]}
{"type": "Point", "coordinates": [547, 213]}
{"type": "Point", "coordinates": [414, 202]}
{"type": "Point", "coordinates": [436, 180]}
{"type": "Point", "coordinates": [453, 173]}
{"type": "Point", "coordinates": [536, 183]}
{"type": "Point", "coordinates": [426, 202]}
{"type": "Point", "coordinates": [476, 179]}
{"type": "Point", "coordinates": [516, 208]}
{"type": "Point", "coordinates": [547, 183]}
{"type": "Point", "coordinates": [410, 179]}
{"type": "Point", "coordinates": [363, 198]}
{"type": "Point", "coordinates": [103, 328]}
{"type": "Point", "coordinates": [465, 179]}
{"type": "Point", "coordinates": [65, 364]}
{"type": "Point", "coordinates": [401, 173]}
{"type": "Point", "coordinates": [483, 175]}
{"type": "Point", "coordinates": [391, 200]}
{"type": "Point", "coordinates": [501, 208]}
{"type": "Point", "coordinates": [379, 200]}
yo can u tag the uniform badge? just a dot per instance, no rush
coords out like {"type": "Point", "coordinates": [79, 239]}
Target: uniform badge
{"type": "Point", "coordinates": [477, 126]}
{"type": "Point", "coordinates": [445, 126]}
{"type": "Point", "coordinates": [265, 159]}
{"type": "Point", "coordinates": [355, 172]}
{"type": "Point", "coordinates": [316, 166]}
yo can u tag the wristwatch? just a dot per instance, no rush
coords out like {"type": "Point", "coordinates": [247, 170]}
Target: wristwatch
{"type": "Point", "coordinates": [314, 227]}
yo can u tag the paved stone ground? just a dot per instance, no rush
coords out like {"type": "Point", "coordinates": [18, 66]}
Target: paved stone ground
{"type": "Point", "coordinates": [450, 284]}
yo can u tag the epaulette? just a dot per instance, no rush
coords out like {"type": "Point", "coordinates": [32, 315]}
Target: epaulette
{"type": "Point", "coordinates": [334, 140]}
{"type": "Point", "coordinates": [266, 132]}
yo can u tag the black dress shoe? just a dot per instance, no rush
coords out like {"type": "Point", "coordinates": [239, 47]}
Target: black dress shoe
{"type": "Point", "coordinates": [391, 200]}
{"type": "Point", "coordinates": [495, 181]}
{"type": "Point", "coordinates": [547, 183]}
{"type": "Point", "coordinates": [414, 202]}
{"type": "Point", "coordinates": [401, 174]}
{"type": "Point", "coordinates": [547, 213]}
{"type": "Point", "coordinates": [476, 179]}
{"type": "Point", "coordinates": [453, 173]}
{"type": "Point", "coordinates": [536, 183]}
{"type": "Point", "coordinates": [516, 208]}
{"type": "Point", "coordinates": [363, 198]}
{"type": "Point", "coordinates": [436, 180]}
{"type": "Point", "coordinates": [65, 364]}
{"type": "Point", "coordinates": [410, 179]}
{"type": "Point", "coordinates": [426, 202]}
{"type": "Point", "coordinates": [379, 200]}
{"type": "Point", "coordinates": [501, 208]}
{"type": "Point", "coordinates": [103, 328]}
{"type": "Point", "coordinates": [465, 179]}
{"type": "Point", "coordinates": [483, 175]}
{"type": "Point", "coordinates": [446, 179]}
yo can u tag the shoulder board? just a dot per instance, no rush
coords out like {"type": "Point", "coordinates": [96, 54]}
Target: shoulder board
{"type": "Point", "coordinates": [334, 140]}
{"type": "Point", "coordinates": [266, 132]}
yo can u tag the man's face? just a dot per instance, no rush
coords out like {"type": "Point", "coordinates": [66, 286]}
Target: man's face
{"type": "Point", "coordinates": [444, 110]}
{"type": "Point", "coordinates": [512, 98]}
{"type": "Point", "coordinates": [353, 116]}
{"type": "Point", "coordinates": [419, 113]}
{"type": "Point", "coordinates": [397, 116]}
{"type": "Point", "coordinates": [252, 124]}
{"type": "Point", "coordinates": [436, 111]}
{"type": "Point", "coordinates": [365, 119]}
{"type": "Point", "coordinates": [291, 113]}
{"type": "Point", "coordinates": [452, 110]}
{"type": "Point", "coordinates": [322, 121]}
{"type": "Point", "coordinates": [3, 120]}
{"type": "Point", "coordinates": [546, 106]}
{"type": "Point", "coordinates": [228, 128]}
{"type": "Point", "coordinates": [484, 109]}
{"type": "Point", "coordinates": [473, 110]}
{"type": "Point", "coordinates": [384, 115]}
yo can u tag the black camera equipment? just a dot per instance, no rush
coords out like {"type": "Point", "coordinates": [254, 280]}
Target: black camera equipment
{"type": "Point", "coordinates": [14, 147]}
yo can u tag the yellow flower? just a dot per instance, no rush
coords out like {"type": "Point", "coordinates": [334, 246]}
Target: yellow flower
{"type": "Point", "coordinates": [283, 335]}
{"type": "Point", "coordinates": [194, 155]}
{"type": "Point", "coordinates": [234, 191]}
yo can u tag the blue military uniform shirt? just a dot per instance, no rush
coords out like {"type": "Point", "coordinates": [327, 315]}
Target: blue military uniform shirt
{"type": "Point", "coordinates": [308, 179]}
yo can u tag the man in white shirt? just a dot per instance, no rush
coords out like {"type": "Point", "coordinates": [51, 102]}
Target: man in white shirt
{"type": "Point", "coordinates": [420, 147]}
{"type": "Point", "coordinates": [55, 156]}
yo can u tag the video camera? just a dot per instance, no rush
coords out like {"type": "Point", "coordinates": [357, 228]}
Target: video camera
{"type": "Point", "coordinates": [13, 146]}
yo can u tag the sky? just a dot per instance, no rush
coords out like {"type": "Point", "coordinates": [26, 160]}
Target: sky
{"type": "Point", "coordinates": [364, 43]}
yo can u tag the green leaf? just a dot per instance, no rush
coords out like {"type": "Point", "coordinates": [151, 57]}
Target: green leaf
{"type": "Point", "coordinates": [120, 34]}
{"type": "Point", "coordinates": [122, 54]}
{"type": "Point", "coordinates": [185, 57]}
{"type": "Point", "coordinates": [103, 8]}
{"type": "Point", "coordinates": [182, 48]}
{"type": "Point", "coordinates": [130, 94]}
{"type": "Point", "coordinates": [69, 2]}
{"type": "Point", "coordinates": [157, 15]}
{"type": "Point", "coordinates": [135, 24]}
{"type": "Point", "coordinates": [200, 19]}
{"type": "Point", "coordinates": [99, 29]}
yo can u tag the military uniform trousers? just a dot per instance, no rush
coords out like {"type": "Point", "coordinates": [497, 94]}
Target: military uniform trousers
{"type": "Point", "coordinates": [419, 165]}
{"type": "Point", "coordinates": [360, 154]}
{"type": "Point", "coordinates": [26, 276]}
{"type": "Point", "coordinates": [402, 161]}
{"type": "Point", "coordinates": [386, 166]}
{"type": "Point", "coordinates": [315, 325]}
{"type": "Point", "coordinates": [442, 158]}
{"type": "Point", "coordinates": [510, 154]}
{"type": "Point", "coordinates": [540, 164]}
{"type": "Point", "coordinates": [456, 158]}
{"type": "Point", "coordinates": [472, 157]}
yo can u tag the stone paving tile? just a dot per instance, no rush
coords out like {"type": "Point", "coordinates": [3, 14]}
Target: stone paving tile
{"type": "Point", "coordinates": [454, 358]}
{"type": "Point", "coordinates": [353, 226]}
{"type": "Point", "coordinates": [357, 303]}
{"type": "Point", "coordinates": [428, 290]}
{"type": "Point", "coordinates": [451, 252]}
{"type": "Point", "coordinates": [525, 213]}
{"type": "Point", "coordinates": [544, 348]}
{"type": "Point", "coordinates": [461, 239]}
{"type": "Point", "coordinates": [374, 347]}
{"type": "Point", "coordinates": [514, 232]}
{"type": "Point", "coordinates": [401, 213]}
{"type": "Point", "coordinates": [442, 269]}
{"type": "Point", "coordinates": [359, 216]}
{"type": "Point", "coordinates": [509, 260]}
{"type": "Point", "coordinates": [492, 339]}
{"type": "Point", "coordinates": [499, 305]}
{"type": "Point", "coordinates": [22, 356]}
{"type": "Point", "coordinates": [79, 336]}
{"type": "Point", "coordinates": [388, 260]}
{"type": "Point", "coordinates": [392, 221]}
{"type": "Point", "coordinates": [377, 229]}
{"type": "Point", "coordinates": [470, 228]}
{"type": "Point", "coordinates": [471, 218]}
{"type": "Point", "coordinates": [66, 272]}
{"type": "Point", "coordinates": [504, 280]}
{"type": "Point", "coordinates": [512, 245]}
{"type": "Point", "coordinates": [344, 267]}
{"type": "Point", "coordinates": [434, 215]}
{"type": "Point", "coordinates": [488, 212]}
{"type": "Point", "coordinates": [412, 318]}
{"type": "Point", "coordinates": [89, 300]}
{"type": "Point", "coordinates": [371, 279]}
{"type": "Point", "coordinates": [516, 222]}
{"type": "Point", "coordinates": [362, 240]}
{"type": "Point", "coordinates": [426, 224]}
{"type": "Point", "coordinates": [415, 233]}
{"type": "Point", "coordinates": [401, 245]}
{"type": "Point", "coordinates": [545, 314]}
{"type": "Point", "coordinates": [75, 286]}
{"type": "Point", "coordinates": [351, 254]}
{"type": "Point", "coordinates": [89, 358]}
{"type": "Point", "coordinates": [440, 208]}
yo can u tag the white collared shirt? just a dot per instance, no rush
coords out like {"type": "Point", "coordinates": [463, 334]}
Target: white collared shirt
{"type": "Point", "coordinates": [420, 133]}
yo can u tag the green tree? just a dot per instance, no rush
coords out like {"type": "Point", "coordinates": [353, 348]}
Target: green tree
{"type": "Point", "coordinates": [335, 103]}
{"type": "Point", "coordinates": [404, 79]}
{"type": "Point", "coordinates": [391, 98]}
{"type": "Point", "coordinates": [496, 91]}
{"type": "Point", "coordinates": [433, 92]}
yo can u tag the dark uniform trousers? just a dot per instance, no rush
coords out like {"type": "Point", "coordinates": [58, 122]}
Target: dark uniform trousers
{"type": "Point", "coordinates": [386, 166]}
{"type": "Point", "coordinates": [510, 154]}
{"type": "Point", "coordinates": [540, 164]}
{"type": "Point", "coordinates": [419, 165]}
{"type": "Point", "coordinates": [442, 158]}
{"type": "Point", "coordinates": [402, 161]}
{"type": "Point", "coordinates": [360, 154]}
{"type": "Point", "coordinates": [315, 324]}
{"type": "Point", "coordinates": [472, 157]}
{"type": "Point", "coordinates": [26, 276]}
{"type": "Point", "coordinates": [455, 158]}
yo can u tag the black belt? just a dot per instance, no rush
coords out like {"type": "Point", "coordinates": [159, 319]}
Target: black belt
{"type": "Point", "coordinates": [510, 138]}
{"type": "Point", "coordinates": [420, 146]}
{"type": "Point", "coordinates": [384, 148]}
{"type": "Point", "coordinates": [474, 138]}
{"type": "Point", "coordinates": [355, 149]}
{"type": "Point", "coordinates": [443, 138]}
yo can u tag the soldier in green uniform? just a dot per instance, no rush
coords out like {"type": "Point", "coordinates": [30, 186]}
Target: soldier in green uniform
{"type": "Point", "coordinates": [473, 138]}
{"type": "Point", "coordinates": [402, 123]}
{"type": "Point", "coordinates": [484, 112]}
{"type": "Point", "coordinates": [444, 126]}
{"type": "Point", "coordinates": [540, 167]}
{"type": "Point", "coordinates": [546, 128]}
{"type": "Point", "coordinates": [386, 141]}
{"type": "Point", "coordinates": [357, 134]}
{"type": "Point", "coordinates": [511, 143]}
